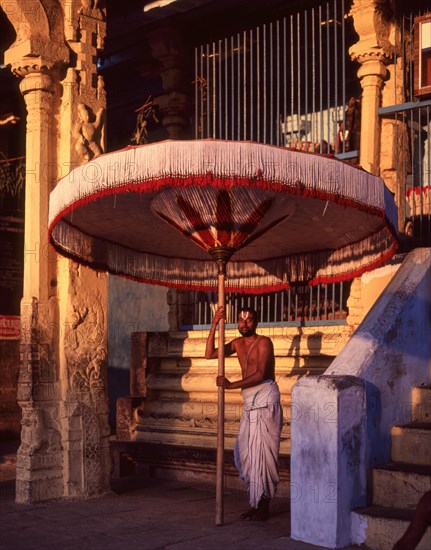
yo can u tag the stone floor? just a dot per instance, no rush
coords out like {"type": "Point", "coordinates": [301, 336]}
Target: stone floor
{"type": "Point", "coordinates": [156, 515]}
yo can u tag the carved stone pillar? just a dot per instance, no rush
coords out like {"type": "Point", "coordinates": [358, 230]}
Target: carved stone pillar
{"type": "Point", "coordinates": [36, 57]}
{"type": "Point", "coordinates": [174, 106]}
{"type": "Point", "coordinates": [395, 163]}
{"type": "Point", "coordinates": [39, 460]}
{"type": "Point", "coordinates": [83, 293]}
{"type": "Point", "coordinates": [63, 373]}
{"type": "Point", "coordinates": [372, 51]}
{"type": "Point", "coordinates": [371, 75]}
{"type": "Point", "coordinates": [168, 49]}
{"type": "Point", "coordinates": [83, 365]}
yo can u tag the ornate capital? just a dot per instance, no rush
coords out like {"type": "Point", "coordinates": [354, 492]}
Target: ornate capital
{"type": "Point", "coordinates": [93, 8]}
{"type": "Point", "coordinates": [372, 72]}
{"type": "Point", "coordinates": [39, 27]}
{"type": "Point", "coordinates": [373, 21]}
{"type": "Point", "coordinates": [36, 79]}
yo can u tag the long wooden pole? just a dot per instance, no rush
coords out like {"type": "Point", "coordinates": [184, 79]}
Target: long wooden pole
{"type": "Point", "coordinates": [220, 411]}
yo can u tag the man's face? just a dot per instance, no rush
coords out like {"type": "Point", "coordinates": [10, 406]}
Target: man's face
{"type": "Point", "coordinates": [246, 323]}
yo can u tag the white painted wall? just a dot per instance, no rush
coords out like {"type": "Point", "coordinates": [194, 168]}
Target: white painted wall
{"type": "Point", "coordinates": [133, 307]}
{"type": "Point", "coordinates": [388, 354]}
{"type": "Point", "coordinates": [391, 351]}
{"type": "Point", "coordinates": [327, 458]}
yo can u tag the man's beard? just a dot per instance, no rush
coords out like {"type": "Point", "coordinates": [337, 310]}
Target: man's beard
{"type": "Point", "coordinates": [247, 332]}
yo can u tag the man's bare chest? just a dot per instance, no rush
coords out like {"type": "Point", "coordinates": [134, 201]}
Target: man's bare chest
{"type": "Point", "coordinates": [248, 352]}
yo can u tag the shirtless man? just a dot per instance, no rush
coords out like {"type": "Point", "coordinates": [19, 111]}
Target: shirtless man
{"type": "Point", "coordinates": [257, 445]}
{"type": "Point", "coordinates": [418, 525]}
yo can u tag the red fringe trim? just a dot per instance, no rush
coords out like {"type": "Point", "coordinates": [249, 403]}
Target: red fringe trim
{"type": "Point", "coordinates": [298, 189]}
{"type": "Point", "coordinates": [347, 276]}
{"type": "Point", "coordinates": [276, 287]}
{"type": "Point", "coordinates": [262, 289]}
{"type": "Point", "coordinates": [223, 183]}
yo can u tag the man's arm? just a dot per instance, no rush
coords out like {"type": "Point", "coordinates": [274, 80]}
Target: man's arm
{"type": "Point", "coordinates": [259, 374]}
{"type": "Point", "coordinates": [211, 351]}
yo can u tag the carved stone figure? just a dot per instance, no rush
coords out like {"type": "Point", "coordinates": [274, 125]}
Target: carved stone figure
{"type": "Point", "coordinates": [36, 435]}
{"type": "Point", "coordinates": [101, 92]}
{"type": "Point", "coordinates": [85, 348]}
{"type": "Point", "coordinates": [88, 134]}
{"type": "Point", "coordinates": [88, 5]}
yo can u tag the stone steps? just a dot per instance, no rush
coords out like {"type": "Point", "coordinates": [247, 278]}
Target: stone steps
{"type": "Point", "coordinates": [421, 404]}
{"type": "Point", "coordinates": [197, 436]}
{"type": "Point", "coordinates": [311, 341]}
{"type": "Point", "coordinates": [400, 485]}
{"type": "Point", "coordinates": [385, 526]}
{"type": "Point", "coordinates": [183, 365]}
{"type": "Point", "coordinates": [397, 487]}
{"type": "Point", "coordinates": [412, 443]}
{"type": "Point", "coordinates": [177, 384]}
{"type": "Point", "coordinates": [173, 400]}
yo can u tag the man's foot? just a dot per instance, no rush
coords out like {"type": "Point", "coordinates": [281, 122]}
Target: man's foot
{"type": "Point", "coordinates": [249, 514]}
{"type": "Point", "coordinates": [262, 512]}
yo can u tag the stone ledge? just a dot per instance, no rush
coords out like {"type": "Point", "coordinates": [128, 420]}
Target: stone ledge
{"type": "Point", "coordinates": [144, 460]}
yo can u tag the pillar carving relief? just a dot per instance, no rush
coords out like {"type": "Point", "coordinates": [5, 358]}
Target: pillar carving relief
{"type": "Point", "coordinates": [374, 51]}
{"type": "Point", "coordinates": [379, 51]}
{"type": "Point", "coordinates": [39, 455]}
{"type": "Point", "coordinates": [174, 105]}
{"type": "Point", "coordinates": [83, 293]}
{"type": "Point", "coordinates": [84, 92]}
{"type": "Point", "coordinates": [63, 373]}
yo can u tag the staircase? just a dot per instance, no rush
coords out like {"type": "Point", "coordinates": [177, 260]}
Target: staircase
{"type": "Point", "coordinates": [167, 427]}
{"type": "Point", "coordinates": [398, 486]}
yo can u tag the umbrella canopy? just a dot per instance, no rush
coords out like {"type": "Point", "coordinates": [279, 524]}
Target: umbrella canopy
{"type": "Point", "coordinates": [285, 216]}
{"type": "Point", "coordinates": [279, 215]}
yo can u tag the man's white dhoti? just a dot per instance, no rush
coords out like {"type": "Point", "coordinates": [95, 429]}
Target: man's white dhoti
{"type": "Point", "coordinates": [258, 442]}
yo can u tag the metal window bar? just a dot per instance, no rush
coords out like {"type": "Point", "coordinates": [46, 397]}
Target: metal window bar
{"type": "Point", "coordinates": [242, 92]}
{"type": "Point", "coordinates": [264, 93]}
{"type": "Point", "coordinates": [320, 80]}
{"type": "Point", "coordinates": [238, 41]}
{"type": "Point", "coordinates": [328, 79]}
{"type": "Point", "coordinates": [247, 77]}
{"type": "Point", "coordinates": [298, 306]}
{"type": "Point", "coordinates": [258, 83]}
{"type": "Point", "coordinates": [412, 157]}
{"type": "Point", "coordinates": [277, 117]}
{"type": "Point", "coordinates": [292, 77]}
{"type": "Point", "coordinates": [306, 84]}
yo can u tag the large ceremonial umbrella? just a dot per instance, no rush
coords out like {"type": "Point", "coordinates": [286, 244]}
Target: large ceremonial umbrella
{"type": "Point", "coordinates": [157, 213]}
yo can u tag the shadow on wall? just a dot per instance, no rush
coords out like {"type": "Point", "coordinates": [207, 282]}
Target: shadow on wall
{"type": "Point", "coordinates": [133, 307]}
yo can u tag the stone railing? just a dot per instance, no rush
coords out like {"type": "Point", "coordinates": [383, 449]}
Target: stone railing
{"type": "Point", "coordinates": [345, 416]}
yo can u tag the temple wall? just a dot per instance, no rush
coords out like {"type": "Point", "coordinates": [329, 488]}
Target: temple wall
{"type": "Point", "coordinates": [62, 381]}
